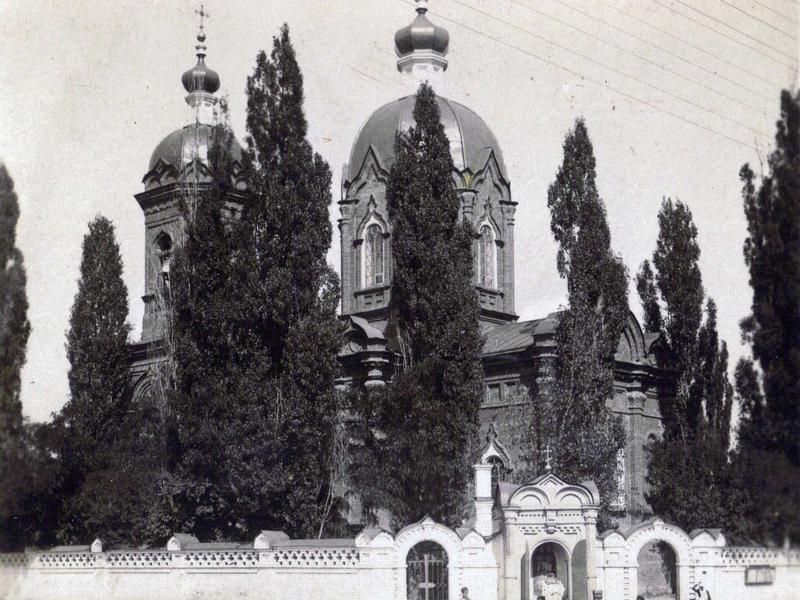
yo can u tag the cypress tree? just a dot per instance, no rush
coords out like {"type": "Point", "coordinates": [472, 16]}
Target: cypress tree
{"type": "Point", "coordinates": [428, 415]}
{"type": "Point", "coordinates": [14, 332]}
{"type": "Point", "coordinates": [97, 350]}
{"type": "Point", "coordinates": [769, 430]}
{"type": "Point", "coordinates": [587, 436]}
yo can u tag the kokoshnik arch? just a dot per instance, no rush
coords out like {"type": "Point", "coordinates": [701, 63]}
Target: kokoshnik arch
{"type": "Point", "coordinates": [514, 350]}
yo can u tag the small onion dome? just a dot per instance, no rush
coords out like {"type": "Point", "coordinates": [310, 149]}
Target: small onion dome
{"type": "Point", "coordinates": [200, 78]}
{"type": "Point", "coordinates": [421, 34]}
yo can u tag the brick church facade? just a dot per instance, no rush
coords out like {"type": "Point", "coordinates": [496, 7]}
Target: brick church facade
{"type": "Point", "coordinates": [514, 350]}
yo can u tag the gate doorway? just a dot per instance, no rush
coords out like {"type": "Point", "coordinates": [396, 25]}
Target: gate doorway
{"type": "Point", "coordinates": [657, 573]}
{"type": "Point", "coordinates": [426, 572]}
{"type": "Point", "coordinates": [551, 561]}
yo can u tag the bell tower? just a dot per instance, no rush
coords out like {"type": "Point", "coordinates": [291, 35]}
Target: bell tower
{"type": "Point", "coordinates": [179, 172]}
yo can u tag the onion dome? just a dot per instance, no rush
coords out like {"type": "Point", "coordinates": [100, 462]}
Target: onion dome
{"type": "Point", "coordinates": [421, 35]}
{"type": "Point", "coordinates": [471, 140]}
{"type": "Point", "coordinates": [200, 78]}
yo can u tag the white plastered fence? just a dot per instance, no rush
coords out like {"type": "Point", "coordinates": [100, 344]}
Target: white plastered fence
{"type": "Point", "coordinates": [492, 559]}
{"type": "Point", "coordinates": [370, 567]}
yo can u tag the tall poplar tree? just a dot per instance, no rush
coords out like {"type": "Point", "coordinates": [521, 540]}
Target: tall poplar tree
{"type": "Point", "coordinates": [587, 437]}
{"type": "Point", "coordinates": [14, 331]}
{"type": "Point", "coordinates": [97, 350]}
{"type": "Point", "coordinates": [428, 416]}
{"type": "Point", "coordinates": [256, 329]}
{"type": "Point", "coordinates": [688, 467]}
{"type": "Point", "coordinates": [769, 430]}
{"type": "Point", "coordinates": [287, 229]}
{"type": "Point", "coordinates": [689, 473]}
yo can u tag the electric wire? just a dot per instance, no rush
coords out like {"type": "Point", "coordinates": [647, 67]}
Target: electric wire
{"type": "Point", "coordinates": [613, 69]}
{"type": "Point", "coordinates": [666, 50]}
{"type": "Point", "coordinates": [733, 39]}
{"type": "Point", "coordinates": [691, 45]}
{"type": "Point", "coordinates": [503, 42]}
{"type": "Point", "coordinates": [760, 20]}
{"type": "Point", "coordinates": [776, 12]}
{"type": "Point", "coordinates": [640, 57]}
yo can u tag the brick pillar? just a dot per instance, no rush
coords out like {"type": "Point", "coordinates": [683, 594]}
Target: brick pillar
{"type": "Point", "coordinates": [346, 248]}
{"type": "Point", "coordinates": [508, 258]}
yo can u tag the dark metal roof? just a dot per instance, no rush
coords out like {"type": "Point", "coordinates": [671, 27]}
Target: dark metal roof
{"type": "Point", "coordinates": [421, 34]}
{"type": "Point", "coordinates": [471, 140]}
{"type": "Point", "coordinates": [510, 337]}
{"type": "Point", "coordinates": [180, 146]}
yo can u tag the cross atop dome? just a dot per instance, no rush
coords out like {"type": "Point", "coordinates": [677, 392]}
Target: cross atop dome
{"type": "Point", "coordinates": [203, 14]}
{"type": "Point", "coordinates": [201, 82]}
{"type": "Point", "coordinates": [421, 47]}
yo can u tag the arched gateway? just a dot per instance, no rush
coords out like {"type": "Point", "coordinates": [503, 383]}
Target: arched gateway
{"type": "Point", "coordinates": [550, 537]}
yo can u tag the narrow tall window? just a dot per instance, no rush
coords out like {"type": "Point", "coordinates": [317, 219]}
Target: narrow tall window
{"type": "Point", "coordinates": [486, 257]}
{"type": "Point", "coordinates": [164, 253]}
{"type": "Point", "coordinates": [374, 263]}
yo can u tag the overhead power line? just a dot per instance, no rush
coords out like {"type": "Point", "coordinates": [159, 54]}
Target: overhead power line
{"type": "Point", "coordinates": [610, 68]}
{"type": "Point", "coordinates": [560, 67]}
{"type": "Point", "coordinates": [792, 37]}
{"type": "Point", "coordinates": [638, 56]}
{"type": "Point", "coordinates": [722, 59]}
{"type": "Point", "coordinates": [733, 39]}
{"type": "Point", "coordinates": [777, 12]}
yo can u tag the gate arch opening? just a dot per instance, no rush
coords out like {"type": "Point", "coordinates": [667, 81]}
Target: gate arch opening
{"type": "Point", "coordinates": [657, 572]}
{"type": "Point", "coordinates": [551, 560]}
{"type": "Point", "coordinates": [427, 574]}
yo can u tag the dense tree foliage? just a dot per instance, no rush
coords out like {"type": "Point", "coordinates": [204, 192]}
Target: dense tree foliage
{"type": "Point", "coordinates": [688, 471]}
{"type": "Point", "coordinates": [677, 275]}
{"type": "Point", "coordinates": [427, 418]}
{"type": "Point", "coordinates": [97, 349]}
{"type": "Point", "coordinates": [14, 331]}
{"type": "Point", "coordinates": [768, 457]}
{"type": "Point", "coordinates": [569, 409]}
{"type": "Point", "coordinates": [256, 331]}
{"type": "Point", "coordinates": [687, 467]}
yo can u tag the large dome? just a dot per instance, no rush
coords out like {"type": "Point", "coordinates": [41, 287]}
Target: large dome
{"type": "Point", "coordinates": [179, 149]}
{"type": "Point", "coordinates": [181, 146]}
{"type": "Point", "coordinates": [471, 140]}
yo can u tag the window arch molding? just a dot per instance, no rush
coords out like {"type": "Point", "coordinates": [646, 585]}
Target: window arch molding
{"type": "Point", "coordinates": [373, 250]}
{"type": "Point", "coordinates": [487, 260]}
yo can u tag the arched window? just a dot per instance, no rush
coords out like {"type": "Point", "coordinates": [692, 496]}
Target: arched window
{"type": "Point", "coordinates": [374, 257]}
{"type": "Point", "coordinates": [164, 253]}
{"type": "Point", "coordinates": [426, 572]}
{"type": "Point", "coordinates": [486, 262]}
{"type": "Point", "coordinates": [498, 471]}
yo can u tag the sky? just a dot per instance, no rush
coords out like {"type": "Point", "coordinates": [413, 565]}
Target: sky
{"type": "Point", "coordinates": [676, 94]}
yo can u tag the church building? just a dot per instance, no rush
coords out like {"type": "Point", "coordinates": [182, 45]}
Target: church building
{"type": "Point", "coordinates": [514, 350]}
